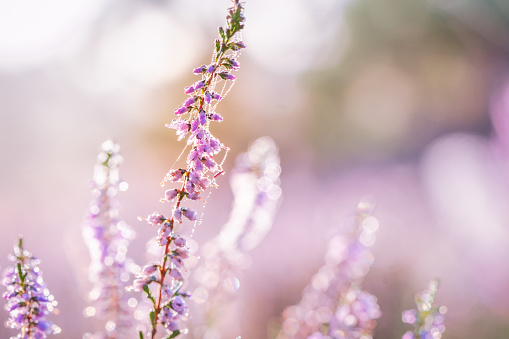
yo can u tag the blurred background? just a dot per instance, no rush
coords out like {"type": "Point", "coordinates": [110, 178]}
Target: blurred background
{"type": "Point", "coordinates": [406, 101]}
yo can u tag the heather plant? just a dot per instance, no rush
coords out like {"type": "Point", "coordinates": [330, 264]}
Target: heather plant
{"type": "Point", "coordinates": [162, 282]}
{"type": "Point", "coordinates": [28, 299]}
{"type": "Point", "coordinates": [255, 186]}
{"type": "Point", "coordinates": [334, 304]}
{"type": "Point", "coordinates": [107, 238]}
{"type": "Point", "coordinates": [427, 319]}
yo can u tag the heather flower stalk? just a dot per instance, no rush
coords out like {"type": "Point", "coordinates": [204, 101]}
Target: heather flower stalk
{"type": "Point", "coordinates": [169, 307]}
{"type": "Point", "coordinates": [428, 320]}
{"type": "Point", "coordinates": [255, 185]}
{"type": "Point", "coordinates": [334, 305]}
{"type": "Point", "coordinates": [28, 299]}
{"type": "Point", "coordinates": [107, 239]}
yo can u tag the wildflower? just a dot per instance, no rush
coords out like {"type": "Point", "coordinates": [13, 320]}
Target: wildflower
{"type": "Point", "coordinates": [168, 306]}
{"type": "Point", "coordinates": [354, 311]}
{"type": "Point", "coordinates": [107, 239]}
{"type": "Point", "coordinates": [250, 220]}
{"type": "Point", "coordinates": [428, 320]}
{"type": "Point", "coordinates": [28, 299]}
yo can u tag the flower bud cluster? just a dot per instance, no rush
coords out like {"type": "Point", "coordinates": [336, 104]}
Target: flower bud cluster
{"type": "Point", "coordinates": [107, 239]}
{"type": "Point", "coordinates": [355, 317]}
{"type": "Point", "coordinates": [334, 305]}
{"type": "Point", "coordinates": [428, 320]}
{"type": "Point", "coordinates": [28, 299]}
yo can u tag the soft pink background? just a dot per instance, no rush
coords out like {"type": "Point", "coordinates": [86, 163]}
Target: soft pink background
{"type": "Point", "coordinates": [404, 101]}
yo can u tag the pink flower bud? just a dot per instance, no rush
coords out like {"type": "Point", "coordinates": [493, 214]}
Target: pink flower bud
{"type": "Point", "coordinates": [155, 219]}
{"type": "Point", "coordinates": [189, 213]}
{"type": "Point", "coordinates": [171, 194]}
{"type": "Point", "coordinates": [180, 242]}
{"type": "Point", "coordinates": [175, 274]}
{"type": "Point", "coordinates": [177, 214]}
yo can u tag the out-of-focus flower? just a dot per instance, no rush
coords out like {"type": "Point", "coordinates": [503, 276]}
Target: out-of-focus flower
{"type": "Point", "coordinates": [194, 117]}
{"type": "Point", "coordinates": [333, 305]}
{"type": "Point", "coordinates": [428, 320]}
{"type": "Point", "coordinates": [28, 299]}
{"type": "Point", "coordinates": [256, 190]}
{"type": "Point", "coordinates": [107, 239]}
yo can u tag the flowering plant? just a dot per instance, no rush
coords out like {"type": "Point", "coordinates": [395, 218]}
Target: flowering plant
{"type": "Point", "coordinates": [28, 299]}
{"type": "Point", "coordinates": [107, 239]}
{"type": "Point", "coordinates": [333, 306]}
{"type": "Point", "coordinates": [427, 319]}
{"type": "Point", "coordinates": [169, 307]}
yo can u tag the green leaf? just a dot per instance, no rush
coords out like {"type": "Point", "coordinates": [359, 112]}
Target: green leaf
{"type": "Point", "coordinates": [141, 334]}
{"type": "Point", "coordinates": [149, 295]}
{"type": "Point", "coordinates": [218, 46]}
{"type": "Point", "coordinates": [221, 32]}
{"type": "Point", "coordinates": [153, 319]}
{"type": "Point", "coordinates": [174, 334]}
{"type": "Point", "coordinates": [20, 274]}
{"type": "Point", "coordinates": [20, 243]}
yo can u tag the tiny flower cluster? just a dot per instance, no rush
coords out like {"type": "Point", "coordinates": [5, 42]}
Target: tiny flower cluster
{"type": "Point", "coordinates": [333, 305]}
{"type": "Point", "coordinates": [28, 299]}
{"type": "Point", "coordinates": [428, 320]}
{"type": "Point", "coordinates": [355, 317]}
{"type": "Point", "coordinates": [255, 186]}
{"type": "Point", "coordinates": [168, 306]}
{"type": "Point", "coordinates": [107, 239]}
{"type": "Point", "coordinates": [170, 301]}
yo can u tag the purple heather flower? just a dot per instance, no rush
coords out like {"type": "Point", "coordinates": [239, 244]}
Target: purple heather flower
{"type": "Point", "coordinates": [203, 118]}
{"type": "Point", "coordinates": [107, 239]}
{"type": "Point", "coordinates": [208, 97]}
{"type": "Point", "coordinates": [209, 163]}
{"type": "Point", "coordinates": [194, 125]}
{"type": "Point", "coordinates": [235, 64]}
{"type": "Point", "coordinates": [28, 299]}
{"type": "Point", "coordinates": [155, 219]}
{"type": "Point", "coordinates": [227, 76]}
{"type": "Point", "coordinates": [179, 242]}
{"type": "Point", "coordinates": [177, 214]}
{"type": "Point", "coordinates": [189, 213]}
{"type": "Point", "coordinates": [216, 117]}
{"type": "Point", "coordinates": [200, 70]}
{"type": "Point", "coordinates": [355, 311]}
{"type": "Point", "coordinates": [149, 269]}
{"type": "Point", "coordinates": [199, 84]}
{"type": "Point", "coordinates": [181, 110]}
{"type": "Point", "coordinates": [193, 195]}
{"type": "Point", "coordinates": [171, 194]}
{"type": "Point", "coordinates": [177, 261]}
{"type": "Point", "coordinates": [182, 252]}
{"type": "Point", "coordinates": [190, 101]}
{"type": "Point", "coordinates": [428, 320]}
{"type": "Point", "coordinates": [249, 222]}
{"type": "Point", "coordinates": [175, 274]}
{"type": "Point", "coordinates": [199, 174]}
{"type": "Point", "coordinates": [175, 175]}
{"type": "Point", "coordinates": [179, 305]}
